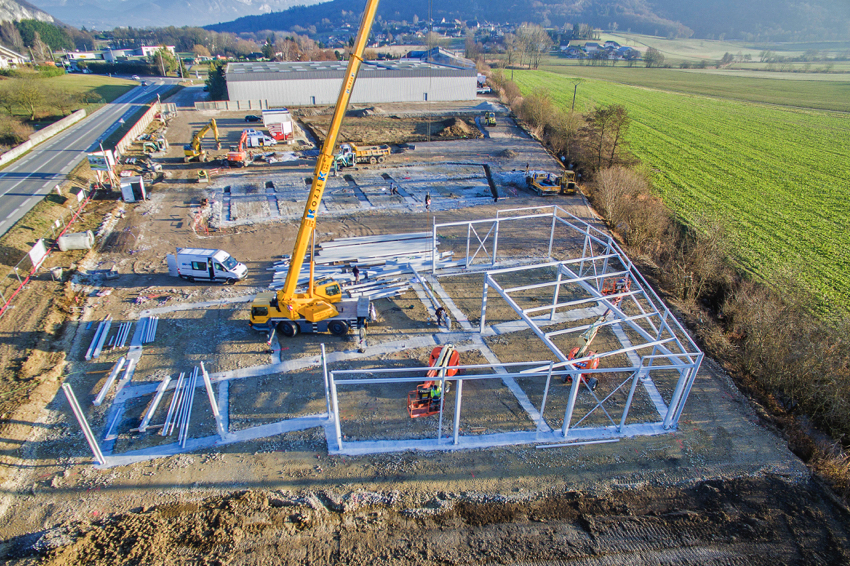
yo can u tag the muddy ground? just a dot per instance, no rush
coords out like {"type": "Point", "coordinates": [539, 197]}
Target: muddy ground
{"type": "Point", "coordinates": [722, 489]}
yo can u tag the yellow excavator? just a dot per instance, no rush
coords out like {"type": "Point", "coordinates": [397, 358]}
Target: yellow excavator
{"type": "Point", "coordinates": [321, 307]}
{"type": "Point", "coordinates": [193, 151]}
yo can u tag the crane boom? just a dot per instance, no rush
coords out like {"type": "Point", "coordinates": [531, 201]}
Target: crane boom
{"type": "Point", "coordinates": [326, 157]}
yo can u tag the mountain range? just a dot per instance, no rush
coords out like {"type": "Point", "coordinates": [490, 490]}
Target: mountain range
{"type": "Point", "coordinates": [16, 10]}
{"type": "Point", "coordinates": [775, 20]}
{"type": "Point", "coordinates": [107, 14]}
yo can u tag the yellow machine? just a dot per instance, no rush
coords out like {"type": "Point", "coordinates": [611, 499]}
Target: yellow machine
{"type": "Point", "coordinates": [193, 151]}
{"type": "Point", "coordinates": [548, 184]}
{"type": "Point", "coordinates": [349, 153]}
{"type": "Point", "coordinates": [321, 307]}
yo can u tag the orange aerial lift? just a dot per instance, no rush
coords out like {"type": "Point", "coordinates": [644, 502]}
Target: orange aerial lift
{"type": "Point", "coordinates": [321, 307]}
{"type": "Point", "coordinates": [425, 400]}
{"type": "Point", "coordinates": [237, 156]}
{"type": "Point", "coordinates": [609, 287]}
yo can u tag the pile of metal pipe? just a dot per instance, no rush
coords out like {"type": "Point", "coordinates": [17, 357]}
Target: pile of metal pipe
{"type": "Point", "coordinates": [180, 409]}
{"type": "Point", "coordinates": [109, 381]}
{"type": "Point", "coordinates": [149, 333]}
{"type": "Point", "coordinates": [170, 418]}
{"type": "Point", "coordinates": [187, 413]}
{"type": "Point", "coordinates": [122, 334]}
{"type": "Point", "coordinates": [160, 391]}
{"type": "Point", "coordinates": [99, 338]}
{"type": "Point", "coordinates": [386, 263]}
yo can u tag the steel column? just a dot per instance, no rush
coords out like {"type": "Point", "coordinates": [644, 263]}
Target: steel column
{"type": "Point", "coordinates": [545, 394]}
{"type": "Point", "coordinates": [635, 379]}
{"type": "Point", "coordinates": [219, 425]}
{"type": "Point", "coordinates": [434, 245]}
{"type": "Point", "coordinates": [457, 410]}
{"type": "Point", "coordinates": [468, 234]}
{"type": "Point", "coordinates": [552, 232]}
{"type": "Point", "coordinates": [555, 298]}
{"type": "Point", "coordinates": [81, 419]}
{"type": "Point", "coordinates": [483, 304]}
{"type": "Point", "coordinates": [571, 404]}
{"type": "Point", "coordinates": [325, 373]}
{"type": "Point", "coordinates": [335, 401]}
{"type": "Point", "coordinates": [495, 243]}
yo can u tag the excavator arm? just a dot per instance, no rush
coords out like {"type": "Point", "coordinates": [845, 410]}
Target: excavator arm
{"type": "Point", "coordinates": [316, 302]}
{"type": "Point", "coordinates": [193, 149]}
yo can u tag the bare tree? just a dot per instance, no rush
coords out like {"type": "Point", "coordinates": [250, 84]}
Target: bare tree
{"type": "Point", "coordinates": [566, 126]}
{"type": "Point", "coordinates": [609, 125]}
{"type": "Point", "coordinates": [7, 96]}
{"type": "Point", "coordinates": [512, 46]}
{"type": "Point", "coordinates": [28, 93]}
{"type": "Point", "coordinates": [534, 42]}
{"type": "Point", "coordinates": [200, 51]}
{"type": "Point", "coordinates": [537, 109]}
{"type": "Point", "coordinates": [653, 58]}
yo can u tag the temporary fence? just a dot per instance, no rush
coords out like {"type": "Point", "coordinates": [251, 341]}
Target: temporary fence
{"type": "Point", "coordinates": [13, 282]}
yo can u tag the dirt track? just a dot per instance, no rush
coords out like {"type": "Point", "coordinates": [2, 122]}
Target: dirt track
{"type": "Point", "coordinates": [720, 490]}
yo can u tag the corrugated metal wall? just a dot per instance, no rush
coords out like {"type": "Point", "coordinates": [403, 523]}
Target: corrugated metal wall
{"type": "Point", "coordinates": [367, 90]}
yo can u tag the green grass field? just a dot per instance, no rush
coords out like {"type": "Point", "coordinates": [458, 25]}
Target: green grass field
{"type": "Point", "coordinates": [821, 92]}
{"type": "Point", "coordinates": [778, 177]}
{"type": "Point", "coordinates": [109, 88]}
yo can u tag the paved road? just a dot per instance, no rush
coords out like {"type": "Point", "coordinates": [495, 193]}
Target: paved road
{"type": "Point", "coordinates": [25, 182]}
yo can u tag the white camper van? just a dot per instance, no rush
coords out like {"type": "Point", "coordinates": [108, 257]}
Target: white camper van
{"type": "Point", "coordinates": [259, 140]}
{"type": "Point", "coordinates": [196, 264]}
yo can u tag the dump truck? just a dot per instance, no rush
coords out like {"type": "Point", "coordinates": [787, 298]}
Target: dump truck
{"type": "Point", "coordinates": [363, 154]}
{"type": "Point", "coordinates": [319, 307]}
{"type": "Point", "coordinates": [549, 184]}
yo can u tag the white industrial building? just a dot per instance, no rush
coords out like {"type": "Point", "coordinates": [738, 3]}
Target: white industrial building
{"type": "Point", "coordinates": [318, 82]}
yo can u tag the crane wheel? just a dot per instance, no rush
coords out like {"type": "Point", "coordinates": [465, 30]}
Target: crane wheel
{"type": "Point", "coordinates": [288, 329]}
{"type": "Point", "coordinates": [338, 328]}
{"type": "Point", "coordinates": [373, 160]}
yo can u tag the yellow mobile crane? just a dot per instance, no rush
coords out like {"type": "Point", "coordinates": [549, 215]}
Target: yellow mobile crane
{"type": "Point", "coordinates": [192, 151]}
{"type": "Point", "coordinates": [320, 308]}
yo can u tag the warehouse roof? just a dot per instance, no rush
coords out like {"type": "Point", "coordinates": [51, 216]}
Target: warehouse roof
{"type": "Point", "coordinates": [290, 70]}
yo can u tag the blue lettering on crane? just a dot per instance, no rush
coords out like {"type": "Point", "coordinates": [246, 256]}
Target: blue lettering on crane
{"type": "Point", "coordinates": [311, 213]}
{"type": "Point", "coordinates": [322, 176]}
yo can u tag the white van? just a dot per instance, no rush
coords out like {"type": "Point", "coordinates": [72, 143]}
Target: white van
{"type": "Point", "coordinates": [260, 140]}
{"type": "Point", "coordinates": [196, 264]}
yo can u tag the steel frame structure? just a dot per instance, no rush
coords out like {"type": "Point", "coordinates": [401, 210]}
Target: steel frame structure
{"type": "Point", "coordinates": [663, 339]}
{"type": "Point", "coordinates": [650, 338]}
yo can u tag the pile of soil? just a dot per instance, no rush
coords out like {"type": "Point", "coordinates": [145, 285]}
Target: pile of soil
{"type": "Point", "coordinates": [508, 154]}
{"type": "Point", "coordinates": [707, 523]}
{"type": "Point", "coordinates": [457, 128]}
{"type": "Point", "coordinates": [364, 112]}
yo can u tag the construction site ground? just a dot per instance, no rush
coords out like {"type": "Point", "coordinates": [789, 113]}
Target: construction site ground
{"type": "Point", "coordinates": [722, 489]}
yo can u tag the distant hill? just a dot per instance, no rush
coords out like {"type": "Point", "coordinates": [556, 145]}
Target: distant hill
{"type": "Point", "coordinates": [107, 14]}
{"type": "Point", "coordinates": [774, 20]}
{"type": "Point", "coordinates": [16, 10]}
